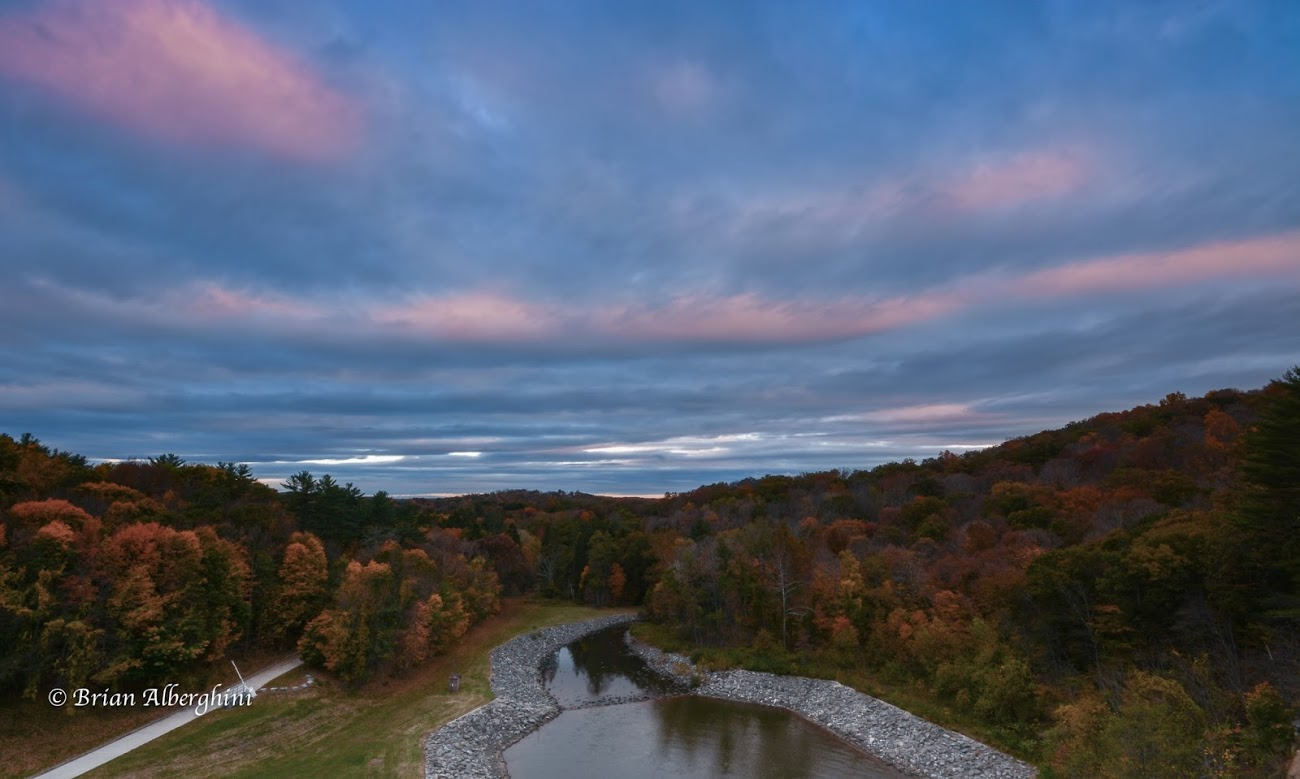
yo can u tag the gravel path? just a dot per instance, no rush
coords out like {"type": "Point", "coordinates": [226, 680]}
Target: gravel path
{"type": "Point", "coordinates": [471, 746]}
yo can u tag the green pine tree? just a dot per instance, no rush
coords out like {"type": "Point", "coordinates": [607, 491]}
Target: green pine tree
{"type": "Point", "coordinates": [1268, 514]}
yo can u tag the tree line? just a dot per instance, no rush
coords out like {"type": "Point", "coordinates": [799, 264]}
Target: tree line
{"type": "Point", "coordinates": [132, 574]}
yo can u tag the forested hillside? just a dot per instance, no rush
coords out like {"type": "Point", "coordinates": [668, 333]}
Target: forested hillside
{"type": "Point", "coordinates": [1115, 598]}
{"type": "Point", "coordinates": [134, 574]}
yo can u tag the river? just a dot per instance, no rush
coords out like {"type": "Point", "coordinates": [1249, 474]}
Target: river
{"type": "Point", "coordinates": [672, 734]}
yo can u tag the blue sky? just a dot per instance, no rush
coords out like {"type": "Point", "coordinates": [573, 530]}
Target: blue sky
{"type": "Point", "coordinates": [633, 247]}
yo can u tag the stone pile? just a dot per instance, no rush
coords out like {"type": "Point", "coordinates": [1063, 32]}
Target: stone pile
{"type": "Point", "coordinates": [887, 732]}
{"type": "Point", "coordinates": [676, 667]}
{"type": "Point", "coordinates": [470, 746]}
{"type": "Point", "coordinates": [614, 700]}
{"type": "Point", "coordinates": [292, 688]}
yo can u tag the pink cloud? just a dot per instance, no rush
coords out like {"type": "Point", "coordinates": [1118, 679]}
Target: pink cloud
{"type": "Point", "coordinates": [481, 317]}
{"type": "Point", "coordinates": [215, 302]}
{"type": "Point", "coordinates": [474, 317]}
{"type": "Point", "coordinates": [204, 305]}
{"type": "Point", "coordinates": [753, 319]}
{"type": "Point", "coordinates": [1022, 178]}
{"type": "Point", "coordinates": [1269, 255]}
{"type": "Point", "coordinates": [488, 318]}
{"type": "Point", "coordinates": [178, 71]}
{"type": "Point", "coordinates": [934, 412]}
{"type": "Point", "coordinates": [981, 185]}
{"type": "Point", "coordinates": [930, 414]}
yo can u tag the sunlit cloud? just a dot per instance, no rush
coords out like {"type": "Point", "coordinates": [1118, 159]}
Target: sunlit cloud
{"type": "Point", "coordinates": [365, 459]}
{"type": "Point", "coordinates": [849, 443]}
{"type": "Point", "coordinates": [179, 71]}
{"type": "Point", "coordinates": [497, 319]}
{"type": "Point", "coordinates": [989, 182]}
{"type": "Point", "coordinates": [598, 463]}
{"type": "Point", "coordinates": [933, 412]}
{"type": "Point", "coordinates": [1275, 255]}
{"type": "Point", "coordinates": [213, 301]}
{"type": "Point", "coordinates": [1017, 179]}
{"type": "Point", "coordinates": [681, 446]}
{"type": "Point", "coordinates": [749, 318]}
{"type": "Point", "coordinates": [471, 317]}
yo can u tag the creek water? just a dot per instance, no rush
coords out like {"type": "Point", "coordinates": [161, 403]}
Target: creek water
{"type": "Point", "coordinates": [672, 735]}
{"type": "Point", "coordinates": [600, 667]}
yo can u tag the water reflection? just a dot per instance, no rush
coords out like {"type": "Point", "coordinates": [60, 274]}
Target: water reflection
{"type": "Point", "coordinates": [600, 667]}
{"type": "Point", "coordinates": [689, 737]}
{"type": "Point", "coordinates": [679, 736]}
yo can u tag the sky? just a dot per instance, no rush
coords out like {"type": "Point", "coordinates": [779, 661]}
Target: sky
{"type": "Point", "coordinates": [633, 247]}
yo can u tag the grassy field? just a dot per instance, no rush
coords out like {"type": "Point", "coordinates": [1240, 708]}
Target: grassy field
{"type": "Point", "coordinates": [35, 735]}
{"type": "Point", "coordinates": [327, 731]}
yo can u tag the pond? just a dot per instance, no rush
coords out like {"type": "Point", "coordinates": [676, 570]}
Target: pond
{"type": "Point", "coordinates": [674, 735]}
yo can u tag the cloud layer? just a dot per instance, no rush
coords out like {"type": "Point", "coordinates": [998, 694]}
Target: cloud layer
{"type": "Point", "coordinates": [629, 249]}
{"type": "Point", "coordinates": [180, 72]}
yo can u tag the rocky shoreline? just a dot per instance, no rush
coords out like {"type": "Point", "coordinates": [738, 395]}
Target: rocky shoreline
{"type": "Point", "coordinates": [894, 736]}
{"type": "Point", "coordinates": [471, 746]}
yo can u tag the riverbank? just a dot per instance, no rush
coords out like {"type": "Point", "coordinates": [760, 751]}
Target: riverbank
{"type": "Point", "coordinates": [887, 732]}
{"type": "Point", "coordinates": [470, 746]}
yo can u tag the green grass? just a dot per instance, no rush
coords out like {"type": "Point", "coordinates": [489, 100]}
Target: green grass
{"type": "Point", "coordinates": [328, 731]}
{"type": "Point", "coordinates": [35, 735]}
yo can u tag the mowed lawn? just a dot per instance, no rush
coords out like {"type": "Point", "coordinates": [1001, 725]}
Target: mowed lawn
{"type": "Point", "coordinates": [328, 731]}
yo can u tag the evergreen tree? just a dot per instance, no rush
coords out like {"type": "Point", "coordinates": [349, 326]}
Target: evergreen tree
{"type": "Point", "coordinates": [1268, 514]}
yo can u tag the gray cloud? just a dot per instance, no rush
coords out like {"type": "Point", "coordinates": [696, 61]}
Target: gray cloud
{"type": "Point", "coordinates": [634, 248]}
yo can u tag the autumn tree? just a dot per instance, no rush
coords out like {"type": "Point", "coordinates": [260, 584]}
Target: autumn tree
{"type": "Point", "coordinates": [176, 597]}
{"type": "Point", "coordinates": [481, 590]}
{"type": "Point", "coordinates": [303, 585]}
{"type": "Point", "coordinates": [784, 571]}
{"type": "Point", "coordinates": [1157, 730]}
{"type": "Point", "coordinates": [617, 581]}
{"type": "Point", "coordinates": [595, 576]}
{"type": "Point", "coordinates": [352, 638]}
